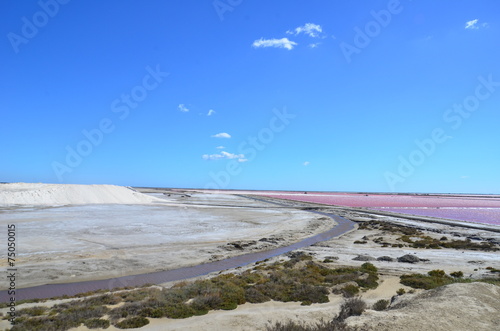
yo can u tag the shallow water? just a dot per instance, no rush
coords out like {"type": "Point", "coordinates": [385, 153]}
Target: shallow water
{"type": "Point", "coordinates": [472, 208]}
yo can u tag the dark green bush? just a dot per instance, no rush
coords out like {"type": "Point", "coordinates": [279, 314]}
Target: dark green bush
{"type": "Point", "coordinates": [491, 269]}
{"type": "Point", "coordinates": [33, 311]}
{"type": "Point", "coordinates": [128, 309]}
{"type": "Point", "coordinates": [457, 274]}
{"type": "Point", "coordinates": [368, 267]}
{"type": "Point", "coordinates": [426, 282]}
{"type": "Point", "coordinates": [437, 273]}
{"type": "Point", "coordinates": [349, 291]}
{"type": "Point", "coordinates": [310, 293]}
{"type": "Point", "coordinates": [132, 322]}
{"type": "Point", "coordinates": [96, 323]}
{"type": "Point", "coordinates": [253, 295]}
{"type": "Point", "coordinates": [181, 310]}
{"type": "Point", "coordinates": [369, 282]}
{"type": "Point", "coordinates": [351, 307]}
{"type": "Point", "coordinates": [46, 324]}
{"type": "Point", "coordinates": [381, 305]}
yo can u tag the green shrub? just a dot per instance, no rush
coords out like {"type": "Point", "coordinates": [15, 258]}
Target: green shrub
{"type": "Point", "coordinates": [437, 273]}
{"type": "Point", "coordinates": [368, 282]}
{"type": "Point", "coordinates": [491, 269]}
{"type": "Point", "coordinates": [381, 305]}
{"type": "Point", "coordinates": [368, 267]}
{"type": "Point", "coordinates": [350, 290]}
{"type": "Point", "coordinates": [33, 311]}
{"type": "Point", "coordinates": [107, 299]}
{"type": "Point", "coordinates": [180, 310]}
{"type": "Point", "coordinates": [46, 324]}
{"type": "Point", "coordinates": [253, 295]}
{"type": "Point", "coordinates": [132, 322]}
{"type": "Point", "coordinates": [457, 274]}
{"type": "Point", "coordinates": [401, 291]}
{"type": "Point", "coordinates": [310, 293]}
{"type": "Point", "coordinates": [351, 307]}
{"type": "Point", "coordinates": [425, 282]}
{"type": "Point", "coordinates": [96, 323]}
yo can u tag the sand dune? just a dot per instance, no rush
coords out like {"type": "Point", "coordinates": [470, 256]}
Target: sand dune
{"type": "Point", "coordinates": [66, 194]}
{"type": "Point", "coordinates": [474, 306]}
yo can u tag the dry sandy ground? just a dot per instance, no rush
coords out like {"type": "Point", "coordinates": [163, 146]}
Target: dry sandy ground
{"type": "Point", "coordinates": [474, 306]}
{"type": "Point", "coordinates": [121, 236]}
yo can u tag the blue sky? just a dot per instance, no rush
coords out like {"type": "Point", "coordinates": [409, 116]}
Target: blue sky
{"type": "Point", "coordinates": [287, 95]}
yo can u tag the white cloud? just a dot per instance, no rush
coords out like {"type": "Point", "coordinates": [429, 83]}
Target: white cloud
{"type": "Point", "coordinates": [278, 43]}
{"type": "Point", "coordinates": [211, 112]}
{"type": "Point", "coordinates": [312, 30]}
{"type": "Point", "coordinates": [221, 135]}
{"type": "Point", "coordinates": [307, 163]}
{"type": "Point", "coordinates": [314, 45]}
{"type": "Point", "coordinates": [472, 25]}
{"type": "Point", "coordinates": [183, 108]}
{"type": "Point", "coordinates": [225, 155]}
{"type": "Point", "coordinates": [220, 147]}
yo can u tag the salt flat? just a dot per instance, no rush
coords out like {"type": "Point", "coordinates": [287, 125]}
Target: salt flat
{"type": "Point", "coordinates": [59, 242]}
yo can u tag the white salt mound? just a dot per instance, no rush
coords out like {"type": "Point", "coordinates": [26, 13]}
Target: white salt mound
{"type": "Point", "coordinates": [69, 194]}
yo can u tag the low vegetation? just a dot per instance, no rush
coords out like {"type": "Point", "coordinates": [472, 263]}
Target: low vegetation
{"type": "Point", "coordinates": [493, 270]}
{"type": "Point", "coordinates": [436, 278]}
{"type": "Point", "coordinates": [428, 242]}
{"type": "Point", "coordinates": [381, 305]}
{"type": "Point", "coordinates": [300, 279]}
{"type": "Point", "coordinates": [351, 307]}
{"type": "Point", "coordinates": [412, 237]}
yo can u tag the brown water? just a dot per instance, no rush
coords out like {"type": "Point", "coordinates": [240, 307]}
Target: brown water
{"type": "Point", "coordinates": [57, 290]}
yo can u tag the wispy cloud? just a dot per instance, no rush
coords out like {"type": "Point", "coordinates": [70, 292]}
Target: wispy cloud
{"type": "Point", "coordinates": [471, 24]}
{"type": "Point", "coordinates": [225, 155]}
{"type": "Point", "coordinates": [278, 43]}
{"type": "Point", "coordinates": [306, 163]}
{"type": "Point", "coordinates": [183, 108]}
{"type": "Point", "coordinates": [474, 25]}
{"type": "Point", "coordinates": [211, 112]}
{"type": "Point", "coordinates": [314, 45]}
{"type": "Point", "coordinates": [220, 147]}
{"type": "Point", "coordinates": [310, 29]}
{"type": "Point", "coordinates": [222, 135]}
